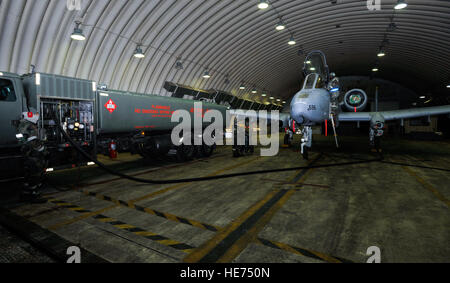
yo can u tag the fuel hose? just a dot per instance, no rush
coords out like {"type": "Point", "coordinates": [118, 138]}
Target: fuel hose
{"type": "Point", "coordinates": [203, 179]}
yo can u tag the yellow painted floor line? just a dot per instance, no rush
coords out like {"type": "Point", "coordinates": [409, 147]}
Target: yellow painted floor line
{"type": "Point", "coordinates": [427, 186]}
{"type": "Point", "coordinates": [232, 240]}
{"type": "Point", "coordinates": [151, 195]}
{"type": "Point", "coordinates": [302, 251]}
{"type": "Point", "coordinates": [148, 210]}
{"type": "Point", "coordinates": [207, 247]}
{"type": "Point", "coordinates": [251, 235]}
{"type": "Point", "coordinates": [79, 218]}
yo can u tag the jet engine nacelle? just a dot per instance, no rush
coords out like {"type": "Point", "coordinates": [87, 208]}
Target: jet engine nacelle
{"type": "Point", "coordinates": [356, 100]}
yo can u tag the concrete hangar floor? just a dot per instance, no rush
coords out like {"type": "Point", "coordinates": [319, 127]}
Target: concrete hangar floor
{"type": "Point", "coordinates": [330, 214]}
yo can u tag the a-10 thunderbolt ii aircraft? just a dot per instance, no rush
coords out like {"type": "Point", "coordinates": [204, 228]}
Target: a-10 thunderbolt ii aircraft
{"type": "Point", "coordinates": [319, 101]}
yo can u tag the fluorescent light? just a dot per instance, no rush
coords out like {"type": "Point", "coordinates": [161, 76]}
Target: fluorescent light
{"type": "Point", "coordinates": [312, 69]}
{"type": "Point", "coordinates": [284, 102]}
{"type": "Point", "coordinates": [401, 4]}
{"type": "Point", "coordinates": [90, 163]}
{"type": "Point", "coordinates": [138, 53]}
{"type": "Point", "coordinates": [381, 53]}
{"type": "Point", "coordinates": [254, 91]}
{"type": "Point", "coordinates": [272, 98]}
{"type": "Point", "coordinates": [278, 99]}
{"type": "Point", "coordinates": [308, 62]}
{"type": "Point", "coordinates": [242, 87]}
{"type": "Point", "coordinates": [263, 4]}
{"type": "Point", "coordinates": [49, 170]}
{"type": "Point", "coordinates": [422, 97]}
{"type": "Point", "coordinates": [375, 70]}
{"type": "Point", "coordinates": [448, 86]}
{"type": "Point", "coordinates": [263, 95]}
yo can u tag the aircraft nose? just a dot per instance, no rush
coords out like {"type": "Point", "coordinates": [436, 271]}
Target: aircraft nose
{"type": "Point", "coordinates": [297, 112]}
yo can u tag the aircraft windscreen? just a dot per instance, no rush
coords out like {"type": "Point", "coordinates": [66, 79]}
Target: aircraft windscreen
{"type": "Point", "coordinates": [315, 62]}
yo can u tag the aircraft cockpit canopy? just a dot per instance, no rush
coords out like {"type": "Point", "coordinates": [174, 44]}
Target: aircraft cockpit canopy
{"type": "Point", "coordinates": [315, 62]}
{"type": "Point", "coordinates": [313, 81]}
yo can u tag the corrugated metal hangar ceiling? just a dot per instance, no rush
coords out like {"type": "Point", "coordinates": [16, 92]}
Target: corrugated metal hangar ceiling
{"type": "Point", "coordinates": [232, 39]}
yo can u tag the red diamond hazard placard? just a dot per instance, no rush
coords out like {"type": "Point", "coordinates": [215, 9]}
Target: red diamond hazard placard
{"type": "Point", "coordinates": [111, 106]}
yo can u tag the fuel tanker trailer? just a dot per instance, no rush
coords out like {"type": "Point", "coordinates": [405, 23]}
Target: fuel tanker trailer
{"type": "Point", "coordinates": [38, 111]}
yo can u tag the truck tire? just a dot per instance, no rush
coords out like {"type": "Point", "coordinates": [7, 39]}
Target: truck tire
{"type": "Point", "coordinates": [207, 150]}
{"type": "Point", "coordinates": [185, 153]}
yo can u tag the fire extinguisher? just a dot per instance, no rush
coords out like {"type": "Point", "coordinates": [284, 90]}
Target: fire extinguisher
{"type": "Point", "coordinates": [113, 150]}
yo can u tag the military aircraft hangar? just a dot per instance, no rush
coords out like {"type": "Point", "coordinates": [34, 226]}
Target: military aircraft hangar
{"type": "Point", "coordinates": [207, 131]}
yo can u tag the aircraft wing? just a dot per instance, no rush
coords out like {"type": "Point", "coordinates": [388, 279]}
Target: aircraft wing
{"type": "Point", "coordinates": [396, 114]}
{"type": "Point", "coordinates": [355, 116]}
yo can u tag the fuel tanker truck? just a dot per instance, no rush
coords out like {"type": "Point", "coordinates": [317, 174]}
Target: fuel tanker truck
{"type": "Point", "coordinates": [40, 112]}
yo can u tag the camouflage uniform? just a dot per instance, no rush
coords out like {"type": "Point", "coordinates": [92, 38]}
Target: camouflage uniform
{"type": "Point", "coordinates": [35, 154]}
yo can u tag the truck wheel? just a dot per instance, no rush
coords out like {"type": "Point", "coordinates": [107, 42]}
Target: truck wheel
{"type": "Point", "coordinates": [206, 150]}
{"type": "Point", "coordinates": [185, 153]}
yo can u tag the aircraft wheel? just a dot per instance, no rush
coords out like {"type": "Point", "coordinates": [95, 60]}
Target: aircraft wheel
{"type": "Point", "coordinates": [207, 150]}
{"type": "Point", "coordinates": [185, 153]}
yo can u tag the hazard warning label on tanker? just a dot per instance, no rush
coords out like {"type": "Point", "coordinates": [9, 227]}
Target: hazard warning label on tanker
{"type": "Point", "coordinates": [111, 106]}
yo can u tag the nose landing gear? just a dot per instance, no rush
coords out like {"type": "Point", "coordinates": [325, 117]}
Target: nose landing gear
{"type": "Point", "coordinates": [306, 141]}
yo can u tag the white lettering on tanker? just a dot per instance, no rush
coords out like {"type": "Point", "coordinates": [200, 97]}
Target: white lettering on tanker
{"type": "Point", "coordinates": [208, 129]}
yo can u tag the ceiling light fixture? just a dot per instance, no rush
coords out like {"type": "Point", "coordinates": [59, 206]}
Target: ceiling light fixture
{"type": "Point", "coordinates": [263, 4]}
{"type": "Point", "coordinates": [292, 40]}
{"type": "Point", "coordinates": [381, 53]}
{"type": "Point", "coordinates": [206, 75]}
{"type": "Point", "coordinates": [179, 65]}
{"type": "Point", "coordinates": [138, 52]}
{"type": "Point", "coordinates": [78, 33]}
{"type": "Point", "coordinates": [280, 26]}
{"type": "Point", "coordinates": [375, 69]}
{"type": "Point", "coordinates": [254, 91]}
{"type": "Point", "coordinates": [242, 87]}
{"type": "Point", "coordinates": [401, 4]}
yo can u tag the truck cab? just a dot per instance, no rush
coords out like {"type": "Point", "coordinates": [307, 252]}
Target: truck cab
{"type": "Point", "coordinates": [12, 105]}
